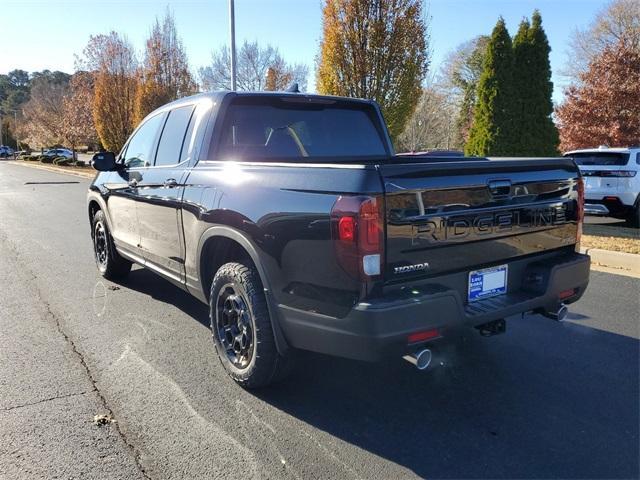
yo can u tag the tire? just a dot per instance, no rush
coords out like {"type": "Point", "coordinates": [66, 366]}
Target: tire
{"type": "Point", "coordinates": [633, 219]}
{"type": "Point", "coordinates": [109, 262]}
{"type": "Point", "coordinates": [241, 328]}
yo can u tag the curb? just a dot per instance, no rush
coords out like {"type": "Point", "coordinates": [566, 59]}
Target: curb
{"type": "Point", "coordinates": [90, 175]}
{"type": "Point", "coordinates": [607, 258]}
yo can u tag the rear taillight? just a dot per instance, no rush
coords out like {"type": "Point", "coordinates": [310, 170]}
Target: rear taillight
{"type": "Point", "coordinates": [566, 294]}
{"type": "Point", "coordinates": [580, 219]}
{"type": "Point", "coordinates": [358, 235]}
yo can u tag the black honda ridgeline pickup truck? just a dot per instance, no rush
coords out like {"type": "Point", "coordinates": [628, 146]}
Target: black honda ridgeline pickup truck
{"type": "Point", "coordinates": [291, 216]}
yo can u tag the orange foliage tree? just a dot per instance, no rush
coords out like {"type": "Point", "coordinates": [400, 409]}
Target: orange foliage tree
{"type": "Point", "coordinates": [165, 74]}
{"type": "Point", "coordinates": [77, 116]}
{"type": "Point", "coordinates": [375, 49]}
{"type": "Point", "coordinates": [112, 61]}
{"type": "Point", "coordinates": [604, 109]}
{"type": "Point", "coordinates": [41, 123]}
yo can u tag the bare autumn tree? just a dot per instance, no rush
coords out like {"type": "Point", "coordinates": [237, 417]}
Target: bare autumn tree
{"type": "Point", "coordinates": [77, 119]}
{"type": "Point", "coordinates": [459, 74]}
{"type": "Point", "coordinates": [604, 108]}
{"type": "Point", "coordinates": [112, 60]}
{"type": "Point", "coordinates": [375, 49]}
{"type": "Point", "coordinates": [42, 115]}
{"type": "Point", "coordinates": [255, 64]}
{"type": "Point", "coordinates": [280, 75]}
{"type": "Point", "coordinates": [165, 75]}
{"type": "Point", "coordinates": [618, 22]}
{"type": "Point", "coordinates": [432, 125]}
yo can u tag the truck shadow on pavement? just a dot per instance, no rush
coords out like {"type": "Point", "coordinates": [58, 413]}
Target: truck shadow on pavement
{"type": "Point", "coordinates": [544, 400]}
{"type": "Point", "coordinates": [148, 283]}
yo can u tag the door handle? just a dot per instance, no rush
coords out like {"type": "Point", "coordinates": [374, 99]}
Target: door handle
{"type": "Point", "coordinates": [170, 182]}
{"type": "Point", "coordinates": [133, 183]}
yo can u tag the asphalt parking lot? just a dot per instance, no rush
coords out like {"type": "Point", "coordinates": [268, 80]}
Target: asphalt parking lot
{"type": "Point", "coordinates": [544, 400]}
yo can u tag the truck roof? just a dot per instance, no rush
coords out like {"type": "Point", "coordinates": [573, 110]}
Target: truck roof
{"type": "Point", "coordinates": [220, 94]}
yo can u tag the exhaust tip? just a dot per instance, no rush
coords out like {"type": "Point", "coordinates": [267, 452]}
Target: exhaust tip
{"type": "Point", "coordinates": [559, 314]}
{"type": "Point", "coordinates": [421, 360]}
{"type": "Point", "coordinates": [562, 312]}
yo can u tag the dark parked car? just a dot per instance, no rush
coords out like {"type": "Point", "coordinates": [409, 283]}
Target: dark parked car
{"type": "Point", "coordinates": [293, 219]}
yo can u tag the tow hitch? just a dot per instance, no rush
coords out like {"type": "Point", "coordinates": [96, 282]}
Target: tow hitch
{"type": "Point", "coordinates": [495, 327]}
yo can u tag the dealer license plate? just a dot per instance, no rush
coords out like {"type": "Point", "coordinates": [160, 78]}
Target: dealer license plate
{"type": "Point", "coordinates": [487, 282]}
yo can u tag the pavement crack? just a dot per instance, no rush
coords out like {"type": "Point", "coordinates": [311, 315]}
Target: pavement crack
{"type": "Point", "coordinates": [44, 400]}
{"type": "Point", "coordinates": [95, 389]}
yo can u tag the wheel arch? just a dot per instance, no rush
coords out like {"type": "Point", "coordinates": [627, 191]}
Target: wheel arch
{"type": "Point", "coordinates": [219, 245]}
{"type": "Point", "coordinates": [95, 203]}
{"type": "Point", "coordinates": [93, 207]}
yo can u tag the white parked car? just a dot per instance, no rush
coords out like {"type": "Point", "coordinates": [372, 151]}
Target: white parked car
{"type": "Point", "coordinates": [611, 180]}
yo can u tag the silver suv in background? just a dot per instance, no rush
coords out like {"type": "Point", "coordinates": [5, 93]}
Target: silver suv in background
{"type": "Point", "coordinates": [611, 180]}
{"type": "Point", "coordinates": [59, 152]}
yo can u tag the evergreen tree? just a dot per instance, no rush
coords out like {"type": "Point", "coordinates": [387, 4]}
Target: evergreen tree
{"type": "Point", "coordinates": [543, 133]}
{"type": "Point", "coordinates": [535, 132]}
{"type": "Point", "coordinates": [492, 130]}
{"type": "Point", "coordinates": [522, 76]}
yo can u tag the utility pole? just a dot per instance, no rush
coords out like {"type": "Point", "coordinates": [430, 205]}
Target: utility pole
{"type": "Point", "coordinates": [232, 29]}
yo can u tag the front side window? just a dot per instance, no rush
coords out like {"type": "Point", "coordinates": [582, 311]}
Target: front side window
{"type": "Point", "coordinates": [280, 128]}
{"type": "Point", "coordinates": [141, 146]}
{"type": "Point", "coordinates": [173, 135]}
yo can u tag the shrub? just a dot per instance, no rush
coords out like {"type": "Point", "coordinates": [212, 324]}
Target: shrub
{"type": "Point", "coordinates": [63, 161]}
{"type": "Point", "coordinates": [45, 159]}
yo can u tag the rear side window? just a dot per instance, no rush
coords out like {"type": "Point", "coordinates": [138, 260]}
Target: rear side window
{"type": "Point", "coordinates": [142, 145]}
{"type": "Point", "coordinates": [600, 159]}
{"type": "Point", "coordinates": [173, 135]}
{"type": "Point", "coordinates": [276, 128]}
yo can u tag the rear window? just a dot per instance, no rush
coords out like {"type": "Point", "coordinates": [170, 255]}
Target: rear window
{"type": "Point", "coordinates": [276, 128]}
{"type": "Point", "coordinates": [600, 159]}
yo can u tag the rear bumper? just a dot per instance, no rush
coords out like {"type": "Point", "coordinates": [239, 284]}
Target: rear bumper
{"type": "Point", "coordinates": [619, 205]}
{"type": "Point", "coordinates": [596, 209]}
{"type": "Point", "coordinates": [379, 328]}
{"type": "Point", "coordinates": [626, 198]}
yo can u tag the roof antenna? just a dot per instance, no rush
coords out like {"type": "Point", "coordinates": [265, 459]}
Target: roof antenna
{"type": "Point", "coordinates": [293, 88]}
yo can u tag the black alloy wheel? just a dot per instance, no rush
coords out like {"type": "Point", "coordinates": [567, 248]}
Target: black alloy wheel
{"type": "Point", "coordinates": [234, 325]}
{"type": "Point", "coordinates": [100, 245]}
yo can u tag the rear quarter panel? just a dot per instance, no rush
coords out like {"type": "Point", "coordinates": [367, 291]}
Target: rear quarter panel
{"type": "Point", "coordinates": [283, 210]}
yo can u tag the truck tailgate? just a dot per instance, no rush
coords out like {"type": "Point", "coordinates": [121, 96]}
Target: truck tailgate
{"type": "Point", "coordinates": [454, 215]}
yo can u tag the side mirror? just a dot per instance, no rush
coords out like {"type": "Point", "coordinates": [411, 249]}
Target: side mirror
{"type": "Point", "coordinates": [104, 162]}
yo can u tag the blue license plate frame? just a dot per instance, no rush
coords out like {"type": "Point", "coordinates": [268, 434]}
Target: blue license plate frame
{"type": "Point", "coordinates": [487, 283]}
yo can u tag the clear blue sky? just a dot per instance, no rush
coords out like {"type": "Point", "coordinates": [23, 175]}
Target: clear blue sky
{"type": "Point", "coordinates": [294, 26]}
